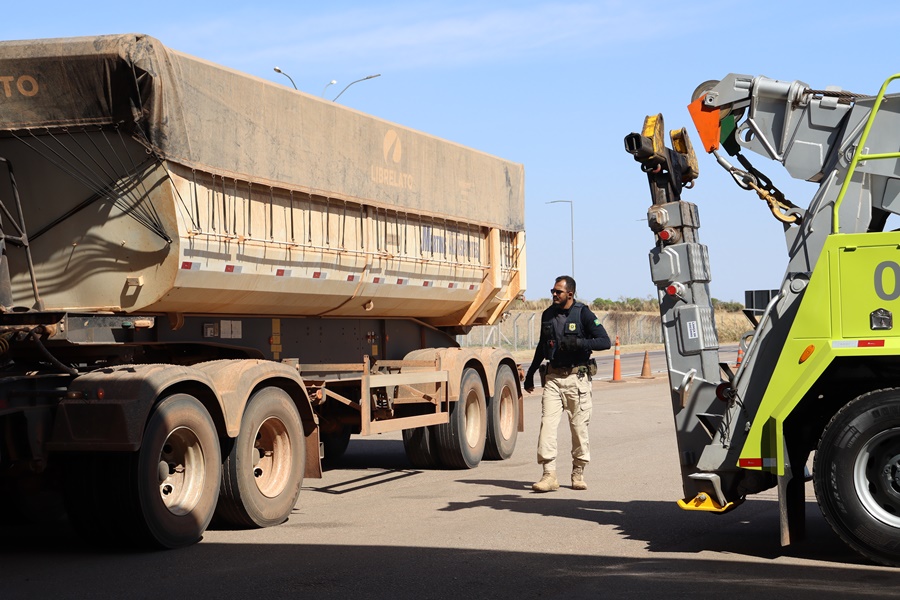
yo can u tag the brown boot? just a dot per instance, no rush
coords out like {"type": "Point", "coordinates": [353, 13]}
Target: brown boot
{"type": "Point", "coordinates": [548, 483]}
{"type": "Point", "coordinates": [578, 478]}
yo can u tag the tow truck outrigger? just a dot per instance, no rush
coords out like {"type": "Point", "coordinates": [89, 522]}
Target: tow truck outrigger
{"type": "Point", "coordinates": [821, 368]}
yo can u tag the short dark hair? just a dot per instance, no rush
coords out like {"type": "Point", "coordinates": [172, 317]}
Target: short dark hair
{"type": "Point", "coordinates": [570, 283]}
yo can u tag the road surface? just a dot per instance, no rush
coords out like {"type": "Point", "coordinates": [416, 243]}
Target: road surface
{"type": "Point", "coordinates": [374, 527]}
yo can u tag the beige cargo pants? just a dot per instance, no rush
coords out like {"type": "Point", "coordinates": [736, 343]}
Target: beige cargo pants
{"type": "Point", "coordinates": [571, 394]}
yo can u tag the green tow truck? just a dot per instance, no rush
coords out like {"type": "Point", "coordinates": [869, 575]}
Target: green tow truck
{"type": "Point", "coordinates": [821, 369]}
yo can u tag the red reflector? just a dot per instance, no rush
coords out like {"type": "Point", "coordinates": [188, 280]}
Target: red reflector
{"type": "Point", "coordinates": [664, 235]}
{"type": "Point", "coordinates": [279, 273]}
{"type": "Point", "coordinates": [229, 268]}
{"type": "Point", "coordinates": [186, 265]}
{"type": "Point", "coordinates": [100, 393]}
{"type": "Point", "coordinates": [870, 344]}
{"type": "Point", "coordinates": [671, 290]}
{"type": "Point", "coordinates": [750, 462]}
{"type": "Point", "coordinates": [317, 275]}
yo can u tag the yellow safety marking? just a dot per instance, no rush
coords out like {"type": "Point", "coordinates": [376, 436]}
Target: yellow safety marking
{"type": "Point", "coordinates": [704, 503]}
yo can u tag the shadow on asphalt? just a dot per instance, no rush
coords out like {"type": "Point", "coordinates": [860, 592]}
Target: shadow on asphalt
{"type": "Point", "coordinates": [321, 571]}
{"type": "Point", "coordinates": [51, 561]}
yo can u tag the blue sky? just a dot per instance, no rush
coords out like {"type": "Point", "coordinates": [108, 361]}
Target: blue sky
{"type": "Point", "coordinates": [553, 85]}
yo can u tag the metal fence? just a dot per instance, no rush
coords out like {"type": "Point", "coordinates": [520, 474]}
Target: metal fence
{"type": "Point", "coordinates": [522, 329]}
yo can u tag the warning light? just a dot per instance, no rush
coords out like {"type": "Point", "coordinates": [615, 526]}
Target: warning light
{"type": "Point", "coordinates": [807, 353]}
{"type": "Point", "coordinates": [675, 289]}
{"type": "Point", "coordinates": [724, 391]}
{"type": "Point", "coordinates": [669, 235]}
{"type": "Point", "coordinates": [100, 393]}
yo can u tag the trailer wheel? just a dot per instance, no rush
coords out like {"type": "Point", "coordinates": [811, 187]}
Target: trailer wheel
{"type": "Point", "coordinates": [461, 441]}
{"type": "Point", "coordinates": [421, 449]}
{"type": "Point", "coordinates": [503, 416]}
{"type": "Point", "coordinates": [857, 475]}
{"type": "Point", "coordinates": [263, 472]}
{"type": "Point", "coordinates": [335, 442]}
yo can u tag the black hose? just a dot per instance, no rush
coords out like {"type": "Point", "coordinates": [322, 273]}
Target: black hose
{"type": "Point", "coordinates": [53, 360]}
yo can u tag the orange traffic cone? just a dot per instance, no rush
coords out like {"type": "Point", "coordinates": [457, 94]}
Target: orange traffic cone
{"type": "Point", "coordinates": [645, 369]}
{"type": "Point", "coordinates": [617, 365]}
{"type": "Point", "coordinates": [740, 357]}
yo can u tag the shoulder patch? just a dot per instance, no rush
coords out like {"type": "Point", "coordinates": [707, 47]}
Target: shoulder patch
{"type": "Point", "coordinates": [596, 321]}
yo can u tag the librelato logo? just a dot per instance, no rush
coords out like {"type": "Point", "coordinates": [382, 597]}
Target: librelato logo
{"type": "Point", "coordinates": [391, 175]}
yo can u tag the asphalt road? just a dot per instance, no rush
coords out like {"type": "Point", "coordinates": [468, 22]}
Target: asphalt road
{"type": "Point", "coordinates": [373, 527]}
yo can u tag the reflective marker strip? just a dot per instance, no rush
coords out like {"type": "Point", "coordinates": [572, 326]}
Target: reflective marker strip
{"type": "Point", "coordinates": [749, 463]}
{"type": "Point", "coordinates": [857, 344]}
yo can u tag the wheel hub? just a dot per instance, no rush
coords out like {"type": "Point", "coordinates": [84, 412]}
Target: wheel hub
{"type": "Point", "coordinates": [272, 457]}
{"type": "Point", "coordinates": [181, 471]}
{"type": "Point", "coordinates": [876, 476]}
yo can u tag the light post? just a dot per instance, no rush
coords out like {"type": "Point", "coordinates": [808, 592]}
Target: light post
{"type": "Point", "coordinates": [357, 81]}
{"type": "Point", "coordinates": [572, 217]}
{"type": "Point", "coordinates": [332, 82]}
{"type": "Point", "coordinates": [277, 70]}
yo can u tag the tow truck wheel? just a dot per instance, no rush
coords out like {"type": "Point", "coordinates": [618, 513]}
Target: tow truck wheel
{"type": "Point", "coordinates": [857, 475]}
{"type": "Point", "coordinates": [263, 472]}
{"type": "Point", "coordinates": [461, 441]}
{"type": "Point", "coordinates": [503, 416]}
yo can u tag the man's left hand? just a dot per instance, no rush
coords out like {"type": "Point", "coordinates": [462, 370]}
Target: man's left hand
{"type": "Point", "coordinates": [573, 344]}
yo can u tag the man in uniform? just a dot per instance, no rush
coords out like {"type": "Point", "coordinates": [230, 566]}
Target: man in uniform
{"type": "Point", "coordinates": [569, 333]}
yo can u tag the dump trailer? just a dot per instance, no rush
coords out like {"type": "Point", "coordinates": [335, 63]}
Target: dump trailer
{"type": "Point", "coordinates": [209, 281]}
{"type": "Point", "coordinates": [820, 374]}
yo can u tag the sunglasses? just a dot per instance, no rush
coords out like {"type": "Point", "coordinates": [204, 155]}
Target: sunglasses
{"type": "Point", "coordinates": [556, 292]}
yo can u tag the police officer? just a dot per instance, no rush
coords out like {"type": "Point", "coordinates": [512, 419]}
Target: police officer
{"type": "Point", "coordinates": [569, 333]}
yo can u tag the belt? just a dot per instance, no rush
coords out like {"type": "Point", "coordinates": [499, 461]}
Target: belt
{"type": "Point", "coordinates": [566, 371]}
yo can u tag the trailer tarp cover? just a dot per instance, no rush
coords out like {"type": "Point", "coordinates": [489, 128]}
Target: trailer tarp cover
{"type": "Point", "coordinates": [234, 125]}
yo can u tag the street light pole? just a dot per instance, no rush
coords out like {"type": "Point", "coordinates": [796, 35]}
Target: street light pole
{"type": "Point", "coordinates": [332, 82]}
{"type": "Point", "coordinates": [277, 70]}
{"type": "Point", "coordinates": [572, 218]}
{"type": "Point", "coordinates": [357, 81]}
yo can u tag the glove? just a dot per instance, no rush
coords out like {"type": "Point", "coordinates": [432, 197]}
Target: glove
{"type": "Point", "coordinates": [570, 344]}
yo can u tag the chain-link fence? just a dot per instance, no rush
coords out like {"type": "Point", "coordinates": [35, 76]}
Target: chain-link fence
{"type": "Point", "coordinates": [522, 329]}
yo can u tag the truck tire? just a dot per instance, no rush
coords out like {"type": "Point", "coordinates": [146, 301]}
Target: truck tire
{"type": "Point", "coordinates": [857, 475]}
{"type": "Point", "coordinates": [421, 449]}
{"type": "Point", "coordinates": [163, 495]}
{"type": "Point", "coordinates": [335, 443]}
{"type": "Point", "coordinates": [263, 472]}
{"type": "Point", "coordinates": [503, 416]}
{"type": "Point", "coordinates": [461, 441]}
